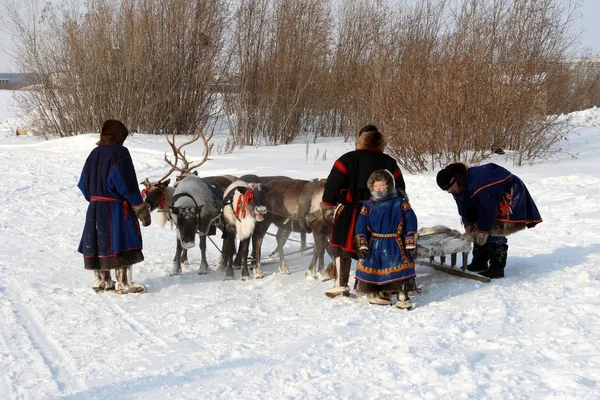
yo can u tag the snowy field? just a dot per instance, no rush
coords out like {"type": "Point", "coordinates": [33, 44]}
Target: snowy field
{"type": "Point", "coordinates": [533, 335]}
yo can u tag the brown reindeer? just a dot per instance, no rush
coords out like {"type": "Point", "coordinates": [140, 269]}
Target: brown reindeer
{"type": "Point", "coordinates": [263, 180]}
{"type": "Point", "coordinates": [294, 205]}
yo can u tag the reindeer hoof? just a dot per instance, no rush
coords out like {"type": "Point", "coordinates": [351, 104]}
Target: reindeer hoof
{"type": "Point", "coordinates": [245, 278]}
{"type": "Point", "coordinates": [323, 277]}
{"type": "Point", "coordinates": [175, 273]}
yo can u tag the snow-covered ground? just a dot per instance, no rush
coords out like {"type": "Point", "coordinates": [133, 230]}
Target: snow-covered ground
{"type": "Point", "coordinates": [533, 335]}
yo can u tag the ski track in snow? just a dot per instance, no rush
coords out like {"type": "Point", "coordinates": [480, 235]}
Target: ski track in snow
{"type": "Point", "coordinates": [533, 335]}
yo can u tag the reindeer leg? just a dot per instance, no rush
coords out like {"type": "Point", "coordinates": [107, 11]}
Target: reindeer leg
{"type": "Point", "coordinates": [302, 241]}
{"type": "Point", "coordinates": [229, 255]}
{"type": "Point", "coordinates": [310, 271]}
{"type": "Point", "coordinates": [244, 244]}
{"type": "Point", "coordinates": [320, 246]}
{"type": "Point", "coordinates": [184, 257]}
{"type": "Point", "coordinates": [203, 264]}
{"type": "Point", "coordinates": [285, 235]}
{"type": "Point", "coordinates": [177, 260]}
{"type": "Point", "coordinates": [258, 236]}
{"type": "Point", "coordinates": [281, 237]}
{"type": "Point", "coordinates": [237, 262]}
{"type": "Point", "coordinates": [222, 261]}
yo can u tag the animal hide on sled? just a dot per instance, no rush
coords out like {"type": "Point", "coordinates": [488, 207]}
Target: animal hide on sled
{"type": "Point", "coordinates": [440, 240]}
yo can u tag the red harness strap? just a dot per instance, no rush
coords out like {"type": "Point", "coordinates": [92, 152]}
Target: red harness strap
{"type": "Point", "coordinates": [94, 199]}
{"type": "Point", "coordinates": [161, 202]}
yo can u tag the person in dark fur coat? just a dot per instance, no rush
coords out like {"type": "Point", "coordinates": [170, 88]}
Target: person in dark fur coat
{"type": "Point", "coordinates": [111, 236]}
{"type": "Point", "coordinates": [344, 194]}
{"type": "Point", "coordinates": [492, 203]}
{"type": "Point", "coordinates": [385, 238]}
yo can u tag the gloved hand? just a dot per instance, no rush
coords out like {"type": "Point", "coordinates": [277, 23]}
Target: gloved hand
{"type": "Point", "coordinates": [328, 213]}
{"type": "Point", "coordinates": [479, 237]}
{"type": "Point", "coordinates": [362, 252]}
{"type": "Point", "coordinates": [469, 228]}
{"type": "Point", "coordinates": [142, 212]}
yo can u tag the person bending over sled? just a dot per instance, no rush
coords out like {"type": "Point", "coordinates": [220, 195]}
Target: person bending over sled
{"type": "Point", "coordinates": [385, 241]}
{"type": "Point", "coordinates": [111, 235]}
{"type": "Point", "coordinates": [492, 203]}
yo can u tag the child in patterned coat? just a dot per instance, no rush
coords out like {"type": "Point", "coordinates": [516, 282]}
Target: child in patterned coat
{"type": "Point", "coordinates": [385, 238]}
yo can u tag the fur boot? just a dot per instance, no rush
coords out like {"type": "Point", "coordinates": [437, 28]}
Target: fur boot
{"type": "Point", "coordinates": [342, 272]}
{"type": "Point", "coordinates": [403, 302]}
{"type": "Point", "coordinates": [381, 298]}
{"type": "Point", "coordinates": [102, 281]}
{"type": "Point", "coordinates": [124, 284]}
{"type": "Point", "coordinates": [498, 256]}
{"type": "Point", "coordinates": [481, 256]}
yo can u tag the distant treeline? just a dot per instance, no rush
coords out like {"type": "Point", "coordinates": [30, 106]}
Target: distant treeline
{"type": "Point", "coordinates": [444, 80]}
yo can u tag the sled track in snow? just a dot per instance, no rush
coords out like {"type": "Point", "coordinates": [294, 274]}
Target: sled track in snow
{"type": "Point", "coordinates": [133, 323]}
{"type": "Point", "coordinates": [54, 356]}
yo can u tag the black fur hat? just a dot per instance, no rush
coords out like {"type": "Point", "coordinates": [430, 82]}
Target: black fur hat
{"type": "Point", "coordinates": [445, 179]}
{"type": "Point", "coordinates": [113, 132]}
{"type": "Point", "coordinates": [455, 172]}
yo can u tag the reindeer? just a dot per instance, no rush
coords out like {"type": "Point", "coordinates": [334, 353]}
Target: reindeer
{"type": "Point", "coordinates": [263, 180]}
{"type": "Point", "coordinates": [294, 205]}
{"type": "Point", "coordinates": [243, 206]}
{"type": "Point", "coordinates": [192, 204]}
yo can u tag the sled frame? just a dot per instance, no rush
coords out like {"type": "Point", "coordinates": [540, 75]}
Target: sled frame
{"type": "Point", "coordinates": [452, 269]}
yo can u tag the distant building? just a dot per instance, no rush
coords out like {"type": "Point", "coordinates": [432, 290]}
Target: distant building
{"type": "Point", "coordinates": [13, 81]}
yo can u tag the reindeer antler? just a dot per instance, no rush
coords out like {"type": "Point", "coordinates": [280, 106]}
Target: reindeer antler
{"type": "Point", "coordinates": [179, 155]}
{"type": "Point", "coordinates": [146, 182]}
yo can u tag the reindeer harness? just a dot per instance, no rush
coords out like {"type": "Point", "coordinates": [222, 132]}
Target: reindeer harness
{"type": "Point", "coordinates": [304, 218]}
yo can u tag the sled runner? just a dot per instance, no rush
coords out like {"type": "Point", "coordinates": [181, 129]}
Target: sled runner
{"type": "Point", "coordinates": [274, 257]}
{"type": "Point", "coordinates": [441, 241]}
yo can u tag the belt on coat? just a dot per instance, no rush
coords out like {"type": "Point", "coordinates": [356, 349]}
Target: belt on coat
{"type": "Point", "coordinates": [103, 199]}
{"type": "Point", "coordinates": [384, 235]}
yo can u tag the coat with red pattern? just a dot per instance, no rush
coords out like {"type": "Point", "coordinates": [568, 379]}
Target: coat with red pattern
{"type": "Point", "coordinates": [108, 181]}
{"type": "Point", "coordinates": [495, 201]}
{"type": "Point", "coordinates": [347, 186]}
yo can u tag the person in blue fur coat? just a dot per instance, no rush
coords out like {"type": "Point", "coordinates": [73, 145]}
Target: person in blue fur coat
{"type": "Point", "coordinates": [385, 240]}
{"type": "Point", "coordinates": [111, 236]}
{"type": "Point", "coordinates": [492, 203]}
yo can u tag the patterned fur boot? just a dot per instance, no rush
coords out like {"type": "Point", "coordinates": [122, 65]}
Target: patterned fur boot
{"type": "Point", "coordinates": [403, 302]}
{"type": "Point", "coordinates": [380, 298]}
{"type": "Point", "coordinates": [102, 281]}
{"type": "Point", "coordinates": [124, 284]}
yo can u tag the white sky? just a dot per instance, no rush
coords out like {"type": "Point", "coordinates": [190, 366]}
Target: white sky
{"type": "Point", "coordinates": [590, 38]}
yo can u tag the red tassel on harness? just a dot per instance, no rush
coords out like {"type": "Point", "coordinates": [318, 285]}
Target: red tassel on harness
{"type": "Point", "coordinates": [242, 202]}
{"type": "Point", "coordinates": [161, 202]}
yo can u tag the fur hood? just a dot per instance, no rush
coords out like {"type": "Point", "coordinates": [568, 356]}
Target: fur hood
{"type": "Point", "coordinates": [373, 140]}
{"type": "Point", "coordinates": [382, 175]}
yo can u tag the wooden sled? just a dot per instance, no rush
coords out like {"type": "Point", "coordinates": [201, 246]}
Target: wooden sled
{"type": "Point", "coordinates": [440, 241]}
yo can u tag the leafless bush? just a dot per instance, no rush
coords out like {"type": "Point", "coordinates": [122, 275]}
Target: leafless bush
{"type": "Point", "coordinates": [281, 47]}
{"type": "Point", "coordinates": [149, 63]}
{"type": "Point", "coordinates": [444, 80]}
